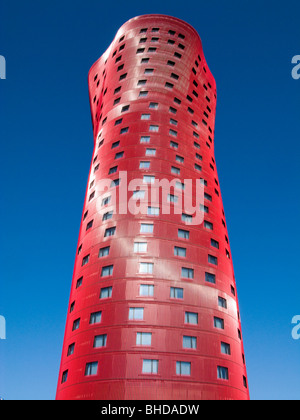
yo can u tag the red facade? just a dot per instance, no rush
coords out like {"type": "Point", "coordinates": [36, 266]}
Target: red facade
{"type": "Point", "coordinates": [153, 311]}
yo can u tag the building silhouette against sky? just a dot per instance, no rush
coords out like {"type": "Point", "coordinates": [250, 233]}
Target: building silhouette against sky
{"type": "Point", "coordinates": [153, 311]}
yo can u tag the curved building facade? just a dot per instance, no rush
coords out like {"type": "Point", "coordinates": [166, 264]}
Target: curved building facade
{"type": "Point", "coordinates": [153, 311]}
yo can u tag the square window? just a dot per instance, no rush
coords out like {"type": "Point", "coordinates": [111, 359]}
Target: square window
{"type": "Point", "coordinates": [146, 268]}
{"type": "Point", "coordinates": [136, 314]}
{"type": "Point", "coordinates": [145, 139]}
{"type": "Point", "coordinates": [124, 130]}
{"type": "Point", "coordinates": [179, 159]}
{"type": "Point", "coordinates": [150, 152]}
{"type": "Point", "coordinates": [148, 71]}
{"type": "Point", "coordinates": [71, 349]}
{"type": "Point", "coordinates": [186, 218]}
{"type": "Point", "coordinates": [154, 128]}
{"type": "Point", "coordinates": [176, 293]}
{"type": "Point", "coordinates": [123, 76]}
{"type": "Point", "coordinates": [150, 366]}
{"type": "Point", "coordinates": [153, 211]}
{"type": "Point", "coordinates": [189, 342]}
{"type": "Point", "coordinates": [169, 85]}
{"type": "Point", "coordinates": [222, 303]}
{"type": "Point", "coordinates": [107, 216]}
{"type": "Point", "coordinates": [140, 247]}
{"type": "Point", "coordinates": [115, 183]}
{"type": "Point", "coordinates": [172, 198]}
{"type": "Point", "coordinates": [210, 278]}
{"type": "Point", "coordinates": [106, 201]}
{"type": "Point", "coordinates": [107, 271]}
{"type": "Point", "coordinates": [104, 252]}
{"type": "Point", "coordinates": [79, 282]}
{"type": "Point", "coordinates": [145, 117]}
{"type": "Point", "coordinates": [147, 290]}
{"type": "Point", "coordinates": [100, 341]}
{"type": "Point", "coordinates": [76, 324]}
{"type": "Point", "coordinates": [175, 171]}
{"type": "Point", "coordinates": [89, 225]}
{"type": "Point", "coordinates": [208, 225]}
{"type": "Point", "coordinates": [187, 273]}
{"type": "Point", "coordinates": [179, 252]}
{"type": "Point", "coordinates": [148, 179]}
{"type": "Point", "coordinates": [110, 232]}
{"type": "Point", "coordinates": [183, 368]}
{"type": "Point", "coordinates": [223, 373]}
{"type": "Point", "coordinates": [85, 260]}
{"type": "Point", "coordinates": [214, 243]}
{"type": "Point", "coordinates": [143, 339]}
{"type": "Point", "coordinates": [191, 318]}
{"type": "Point", "coordinates": [225, 348]}
{"type": "Point", "coordinates": [106, 292]}
{"type": "Point", "coordinates": [95, 317]}
{"type": "Point", "coordinates": [212, 260]}
{"type": "Point", "coordinates": [146, 228]}
{"type": "Point", "coordinates": [183, 234]}
{"type": "Point", "coordinates": [113, 170]}
{"type": "Point", "coordinates": [64, 377]}
{"type": "Point", "coordinates": [119, 155]}
{"type": "Point", "coordinates": [138, 195]}
{"type": "Point", "coordinates": [153, 105]}
{"type": "Point", "coordinates": [219, 323]}
{"type": "Point", "coordinates": [144, 165]}
{"type": "Point", "coordinates": [115, 144]}
{"type": "Point", "coordinates": [91, 369]}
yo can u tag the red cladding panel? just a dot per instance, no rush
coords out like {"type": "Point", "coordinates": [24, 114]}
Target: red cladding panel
{"type": "Point", "coordinates": [170, 329]}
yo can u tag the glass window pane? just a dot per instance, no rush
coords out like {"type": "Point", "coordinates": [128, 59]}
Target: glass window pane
{"type": "Point", "coordinates": [146, 290]}
{"type": "Point", "coordinates": [146, 228]}
{"type": "Point", "coordinates": [100, 340]}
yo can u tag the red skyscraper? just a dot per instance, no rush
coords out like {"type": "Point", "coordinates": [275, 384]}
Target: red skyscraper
{"type": "Point", "coordinates": [153, 312]}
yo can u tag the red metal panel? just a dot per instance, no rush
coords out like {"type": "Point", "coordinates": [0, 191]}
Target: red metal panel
{"type": "Point", "coordinates": [178, 59]}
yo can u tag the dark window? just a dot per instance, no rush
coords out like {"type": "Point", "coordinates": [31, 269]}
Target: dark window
{"type": "Point", "coordinates": [104, 252]}
{"type": "Point", "coordinates": [222, 303]}
{"type": "Point", "coordinates": [110, 232]}
{"type": "Point", "coordinates": [89, 225]}
{"type": "Point", "coordinates": [79, 282]}
{"type": "Point", "coordinates": [210, 278]}
{"type": "Point", "coordinates": [223, 373]}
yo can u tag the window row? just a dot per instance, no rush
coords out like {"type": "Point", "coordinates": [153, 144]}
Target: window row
{"type": "Point", "coordinates": [137, 314]}
{"type": "Point", "coordinates": [150, 366]}
{"type": "Point", "coordinates": [145, 339]}
{"type": "Point", "coordinates": [147, 290]}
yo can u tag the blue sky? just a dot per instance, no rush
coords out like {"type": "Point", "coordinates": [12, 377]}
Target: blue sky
{"type": "Point", "coordinates": [46, 147]}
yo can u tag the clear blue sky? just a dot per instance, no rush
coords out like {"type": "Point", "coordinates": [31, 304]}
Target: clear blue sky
{"type": "Point", "coordinates": [46, 147]}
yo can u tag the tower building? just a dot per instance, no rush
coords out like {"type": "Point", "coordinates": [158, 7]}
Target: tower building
{"type": "Point", "coordinates": [153, 311]}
